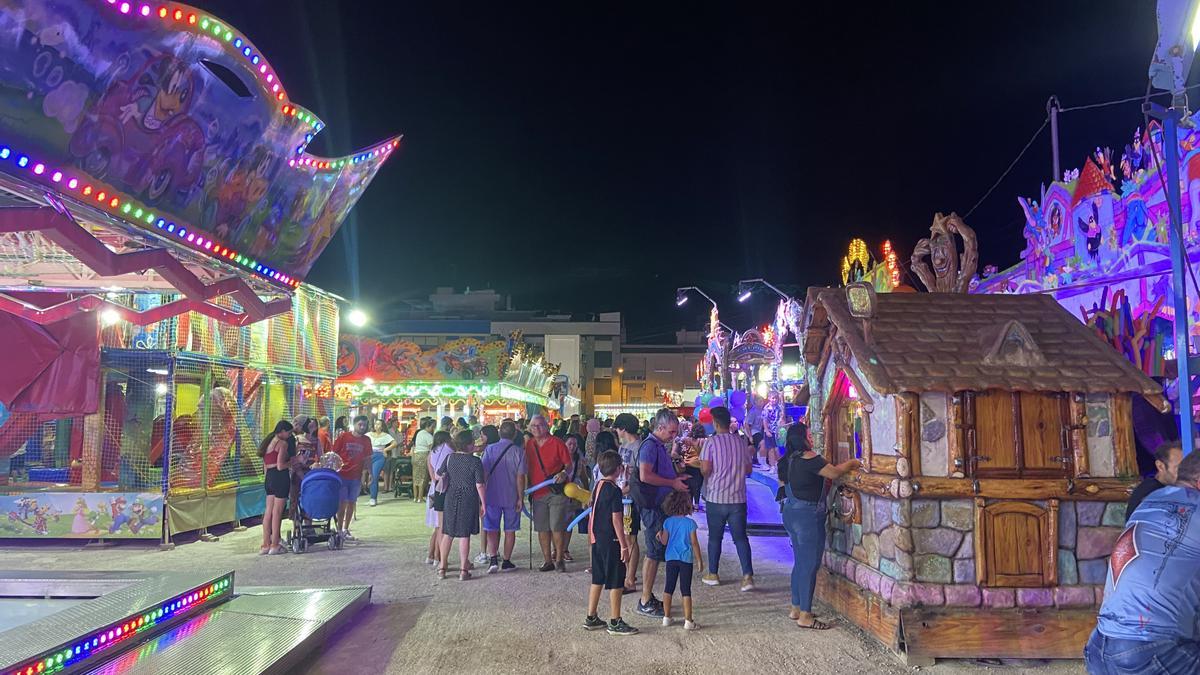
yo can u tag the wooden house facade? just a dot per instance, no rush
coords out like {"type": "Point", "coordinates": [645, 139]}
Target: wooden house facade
{"type": "Point", "coordinates": [996, 437]}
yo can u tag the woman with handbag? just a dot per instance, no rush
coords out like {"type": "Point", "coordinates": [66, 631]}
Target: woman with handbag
{"type": "Point", "coordinates": [442, 449]}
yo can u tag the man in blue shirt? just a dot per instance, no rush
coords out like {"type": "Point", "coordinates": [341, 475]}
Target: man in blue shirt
{"type": "Point", "coordinates": [656, 478]}
{"type": "Point", "coordinates": [1148, 622]}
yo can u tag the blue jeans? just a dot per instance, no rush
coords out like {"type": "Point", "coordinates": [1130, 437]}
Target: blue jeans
{"type": "Point", "coordinates": [377, 461]}
{"type": "Point", "coordinates": [718, 516]}
{"type": "Point", "coordinates": [805, 524]}
{"type": "Point", "coordinates": [1112, 656]}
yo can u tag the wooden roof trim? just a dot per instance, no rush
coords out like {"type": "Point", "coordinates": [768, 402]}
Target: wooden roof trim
{"type": "Point", "coordinates": [848, 329]}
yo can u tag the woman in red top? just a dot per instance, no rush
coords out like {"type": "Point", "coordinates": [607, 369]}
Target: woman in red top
{"type": "Point", "coordinates": [276, 451]}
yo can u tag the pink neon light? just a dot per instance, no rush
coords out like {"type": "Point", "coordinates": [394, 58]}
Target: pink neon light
{"type": "Point", "coordinates": [73, 183]}
{"type": "Point", "coordinates": [145, 10]}
{"type": "Point", "coordinates": [56, 177]}
{"type": "Point", "coordinates": [39, 168]}
{"type": "Point", "coordinates": [124, 7]}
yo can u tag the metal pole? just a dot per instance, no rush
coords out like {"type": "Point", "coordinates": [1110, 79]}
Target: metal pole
{"type": "Point", "coordinates": [1171, 119]}
{"type": "Point", "coordinates": [1052, 107]}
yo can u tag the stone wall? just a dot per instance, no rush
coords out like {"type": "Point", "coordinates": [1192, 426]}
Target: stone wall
{"type": "Point", "coordinates": [921, 552]}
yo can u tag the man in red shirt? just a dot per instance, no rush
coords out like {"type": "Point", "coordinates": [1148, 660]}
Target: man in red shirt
{"type": "Point", "coordinates": [354, 448]}
{"type": "Point", "coordinates": [547, 457]}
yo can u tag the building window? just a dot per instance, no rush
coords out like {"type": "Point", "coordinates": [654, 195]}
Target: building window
{"type": "Point", "coordinates": [602, 386]}
{"type": "Point", "coordinates": [603, 360]}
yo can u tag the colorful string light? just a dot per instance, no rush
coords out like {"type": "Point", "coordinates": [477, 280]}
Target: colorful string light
{"type": "Point", "coordinates": [94, 642]}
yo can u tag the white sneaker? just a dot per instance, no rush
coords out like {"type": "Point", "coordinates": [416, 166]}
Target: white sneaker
{"type": "Point", "coordinates": [690, 625]}
{"type": "Point", "coordinates": [348, 537]}
{"type": "Point", "coordinates": [430, 561]}
{"type": "Point", "coordinates": [371, 503]}
{"type": "Point", "coordinates": [747, 583]}
{"type": "Point", "coordinates": [667, 621]}
{"type": "Point", "coordinates": [481, 558]}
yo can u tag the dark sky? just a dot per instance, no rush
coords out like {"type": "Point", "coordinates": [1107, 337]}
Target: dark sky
{"type": "Point", "coordinates": [594, 156]}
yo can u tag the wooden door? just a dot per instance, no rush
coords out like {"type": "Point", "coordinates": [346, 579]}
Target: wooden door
{"type": "Point", "coordinates": [995, 434]}
{"type": "Point", "coordinates": [1042, 427]}
{"type": "Point", "coordinates": [1017, 545]}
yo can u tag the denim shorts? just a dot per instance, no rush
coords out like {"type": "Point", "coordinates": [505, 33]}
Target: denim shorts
{"type": "Point", "coordinates": [350, 489]}
{"type": "Point", "coordinates": [652, 522]}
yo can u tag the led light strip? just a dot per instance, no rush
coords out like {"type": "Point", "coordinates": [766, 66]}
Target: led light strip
{"type": "Point", "coordinates": [187, 17]}
{"type": "Point", "coordinates": [106, 198]}
{"type": "Point", "coordinates": [94, 642]}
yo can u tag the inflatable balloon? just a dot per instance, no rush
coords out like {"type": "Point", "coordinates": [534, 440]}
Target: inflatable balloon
{"type": "Point", "coordinates": [695, 404]}
{"type": "Point", "coordinates": [737, 399]}
{"type": "Point", "coordinates": [709, 428]}
{"type": "Point", "coordinates": [705, 416]}
{"type": "Point", "coordinates": [573, 491]}
{"type": "Point", "coordinates": [738, 414]}
{"type": "Point", "coordinates": [717, 402]}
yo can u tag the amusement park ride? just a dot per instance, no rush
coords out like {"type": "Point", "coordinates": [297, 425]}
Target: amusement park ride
{"type": "Point", "coordinates": [159, 211]}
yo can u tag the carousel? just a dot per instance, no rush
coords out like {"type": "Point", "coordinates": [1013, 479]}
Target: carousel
{"type": "Point", "coordinates": [491, 379]}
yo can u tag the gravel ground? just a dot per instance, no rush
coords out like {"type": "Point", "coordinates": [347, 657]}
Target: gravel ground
{"type": "Point", "coordinates": [519, 622]}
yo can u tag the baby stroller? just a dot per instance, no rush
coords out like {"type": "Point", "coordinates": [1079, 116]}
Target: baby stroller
{"type": "Point", "coordinates": [320, 495]}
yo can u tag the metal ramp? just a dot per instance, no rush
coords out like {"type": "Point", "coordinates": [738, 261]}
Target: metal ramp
{"type": "Point", "coordinates": [261, 630]}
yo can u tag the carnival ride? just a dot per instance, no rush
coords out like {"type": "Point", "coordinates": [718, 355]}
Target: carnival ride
{"type": "Point", "coordinates": [160, 211]}
{"type": "Point", "coordinates": [493, 379]}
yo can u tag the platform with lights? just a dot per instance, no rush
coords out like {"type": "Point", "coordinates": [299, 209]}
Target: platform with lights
{"type": "Point", "coordinates": [137, 622]}
{"type": "Point", "coordinates": [159, 211]}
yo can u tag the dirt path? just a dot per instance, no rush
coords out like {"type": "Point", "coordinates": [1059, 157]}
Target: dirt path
{"type": "Point", "coordinates": [518, 622]}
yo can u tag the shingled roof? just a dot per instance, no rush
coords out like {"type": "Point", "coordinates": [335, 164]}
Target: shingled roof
{"type": "Point", "coordinates": [955, 342]}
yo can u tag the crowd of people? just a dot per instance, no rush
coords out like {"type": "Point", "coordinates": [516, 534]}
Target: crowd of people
{"type": "Point", "coordinates": [636, 477]}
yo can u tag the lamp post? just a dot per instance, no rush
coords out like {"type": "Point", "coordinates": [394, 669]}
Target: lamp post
{"type": "Point", "coordinates": [681, 298]}
{"type": "Point", "coordinates": [746, 289]}
{"type": "Point", "coordinates": [1178, 36]}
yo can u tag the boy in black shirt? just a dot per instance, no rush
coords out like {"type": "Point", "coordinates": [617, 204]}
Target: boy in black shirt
{"type": "Point", "coordinates": [610, 549]}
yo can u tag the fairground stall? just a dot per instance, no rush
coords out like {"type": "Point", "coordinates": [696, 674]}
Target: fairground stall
{"type": "Point", "coordinates": [1096, 241]}
{"type": "Point", "coordinates": [996, 438]}
{"type": "Point", "coordinates": [159, 214]}
{"type": "Point", "coordinates": [492, 379]}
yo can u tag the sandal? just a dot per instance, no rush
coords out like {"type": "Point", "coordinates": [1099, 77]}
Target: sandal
{"type": "Point", "coordinates": [464, 575]}
{"type": "Point", "coordinates": [567, 556]}
{"type": "Point", "coordinates": [441, 573]}
{"type": "Point", "coordinates": [816, 625]}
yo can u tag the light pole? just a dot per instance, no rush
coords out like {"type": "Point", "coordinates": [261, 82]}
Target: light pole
{"type": "Point", "coordinates": [746, 289]}
{"type": "Point", "coordinates": [1178, 36]}
{"type": "Point", "coordinates": [681, 297]}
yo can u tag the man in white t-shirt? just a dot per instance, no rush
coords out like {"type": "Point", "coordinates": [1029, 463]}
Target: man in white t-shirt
{"type": "Point", "coordinates": [422, 445]}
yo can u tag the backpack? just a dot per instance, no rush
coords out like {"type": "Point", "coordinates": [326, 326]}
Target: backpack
{"type": "Point", "coordinates": [644, 496]}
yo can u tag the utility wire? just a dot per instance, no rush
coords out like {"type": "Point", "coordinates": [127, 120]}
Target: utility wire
{"type": "Point", "coordinates": [1010, 167]}
{"type": "Point", "coordinates": [1131, 99]}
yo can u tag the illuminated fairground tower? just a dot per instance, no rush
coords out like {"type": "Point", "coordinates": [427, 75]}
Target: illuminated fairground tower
{"type": "Point", "coordinates": [160, 214]}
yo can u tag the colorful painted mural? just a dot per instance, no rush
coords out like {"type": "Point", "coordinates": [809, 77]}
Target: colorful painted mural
{"type": "Point", "coordinates": [82, 515]}
{"type": "Point", "coordinates": [170, 120]}
{"type": "Point", "coordinates": [463, 359]}
{"type": "Point", "coordinates": [1102, 250]}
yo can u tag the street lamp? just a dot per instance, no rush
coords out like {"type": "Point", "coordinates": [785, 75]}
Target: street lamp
{"type": "Point", "coordinates": [746, 289]}
{"type": "Point", "coordinates": [357, 318]}
{"type": "Point", "coordinates": [1178, 35]}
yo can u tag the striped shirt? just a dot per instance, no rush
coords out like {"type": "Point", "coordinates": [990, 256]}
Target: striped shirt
{"type": "Point", "coordinates": [727, 482]}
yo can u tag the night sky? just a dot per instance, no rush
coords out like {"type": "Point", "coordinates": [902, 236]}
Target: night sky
{"type": "Point", "coordinates": [592, 157]}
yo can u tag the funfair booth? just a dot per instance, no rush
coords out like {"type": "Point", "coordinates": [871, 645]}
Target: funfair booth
{"type": "Point", "coordinates": [160, 212]}
{"type": "Point", "coordinates": [1102, 250]}
{"type": "Point", "coordinates": [996, 437]}
{"type": "Point", "coordinates": [492, 379]}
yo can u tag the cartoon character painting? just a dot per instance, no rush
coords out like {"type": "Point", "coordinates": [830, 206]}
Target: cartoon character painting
{"type": "Point", "coordinates": [175, 118]}
{"type": "Point", "coordinates": [1089, 227]}
{"type": "Point", "coordinates": [140, 132]}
